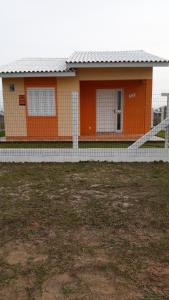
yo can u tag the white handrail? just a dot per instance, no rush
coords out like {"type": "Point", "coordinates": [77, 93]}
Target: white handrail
{"type": "Point", "coordinates": [145, 138]}
{"type": "Point", "coordinates": [167, 115]}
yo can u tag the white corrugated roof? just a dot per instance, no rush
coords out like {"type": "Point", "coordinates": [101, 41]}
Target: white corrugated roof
{"type": "Point", "coordinates": [35, 65]}
{"type": "Point", "coordinates": [137, 56]}
{"type": "Point", "coordinates": [63, 65]}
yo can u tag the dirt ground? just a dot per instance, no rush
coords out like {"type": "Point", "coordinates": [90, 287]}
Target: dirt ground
{"type": "Point", "coordinates": [84, 231]}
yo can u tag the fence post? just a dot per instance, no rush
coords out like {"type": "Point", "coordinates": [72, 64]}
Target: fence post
{"type": "Point", "coordinates": [75, 119]}
{"type": "Point", "coordinates": [167, 115]}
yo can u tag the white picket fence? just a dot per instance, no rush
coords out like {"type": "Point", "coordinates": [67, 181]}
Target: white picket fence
{"type": "Point", "coordinates": [76, 154]}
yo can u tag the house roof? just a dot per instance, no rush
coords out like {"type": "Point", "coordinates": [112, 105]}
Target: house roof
{"type": "Point", "coordinates": [138, 56]}
{"type": "Point", "coordinates": [64, 67]}
{"type": "Point", "coordinates": [36, 65]}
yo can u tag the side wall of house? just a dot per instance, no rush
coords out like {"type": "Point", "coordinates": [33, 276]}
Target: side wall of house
{"type": "Point", "coordinates": [65, 86]}
{"type": "Point", "coordinates": [15, 115]}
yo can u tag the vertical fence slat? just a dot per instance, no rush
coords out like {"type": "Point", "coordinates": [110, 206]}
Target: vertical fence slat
{"type": "Point", "coordinates": [75, 121]}
{"type": "Point", "coordinates": [167, 115]}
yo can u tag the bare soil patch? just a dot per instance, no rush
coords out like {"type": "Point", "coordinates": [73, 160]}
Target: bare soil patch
{"type": "Point", "coordinates": [84, 231]}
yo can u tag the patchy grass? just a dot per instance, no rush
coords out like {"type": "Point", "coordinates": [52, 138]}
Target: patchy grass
{"type": "Point", "coordinates": [118, 144]}
{"type": "Point", "coordinates": [150, 144]}
{"type": "Point", "coordinates": [2, 133]}
{"type": "Point", "coordinates": [84, 231]}
{"type": "Point", "coordinates": [93, 144]}
{"type": "Point", "coordinates": [83, 145]}
{"type": "Point", "coordinates": [35, 145]}
{"type": "Point", "coordinates": [161, 134]}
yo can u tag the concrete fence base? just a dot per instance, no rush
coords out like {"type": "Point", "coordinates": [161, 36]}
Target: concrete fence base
{"type": "Point", "coordinates": [77, 155]}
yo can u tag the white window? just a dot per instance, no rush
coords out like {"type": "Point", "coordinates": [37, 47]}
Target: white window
{"type": "Point", "coordinates": [41, 102]}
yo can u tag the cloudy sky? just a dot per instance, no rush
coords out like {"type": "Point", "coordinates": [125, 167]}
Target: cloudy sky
{"type": "Point", "coordinates": [55, 28]}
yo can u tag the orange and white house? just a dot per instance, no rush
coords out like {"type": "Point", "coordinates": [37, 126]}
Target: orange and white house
{"type": "Point", "coordinates": [114, 94]}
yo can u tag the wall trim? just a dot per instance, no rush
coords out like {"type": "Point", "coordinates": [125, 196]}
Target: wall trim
{"type": "Point", "coordinates": [38, 74]}
{"type": "Point", "coordinates": [116, 65]}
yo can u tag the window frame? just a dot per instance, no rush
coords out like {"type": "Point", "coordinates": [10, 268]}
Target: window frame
{"type": "Point", "coordinates": [41, 89]}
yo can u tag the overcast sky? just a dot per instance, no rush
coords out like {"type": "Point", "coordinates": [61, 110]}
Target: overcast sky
{"type": "Point", "coordinates": [55, 28]}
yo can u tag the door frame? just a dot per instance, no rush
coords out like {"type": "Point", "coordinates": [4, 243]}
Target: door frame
{"type": "Point", "coordinates": [121, 110]}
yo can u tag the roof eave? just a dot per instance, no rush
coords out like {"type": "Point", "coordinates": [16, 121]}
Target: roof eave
{"type": "Point", "coordinates": [37, 74]}
{"type": "Point", "coordinates": [116, 65]}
